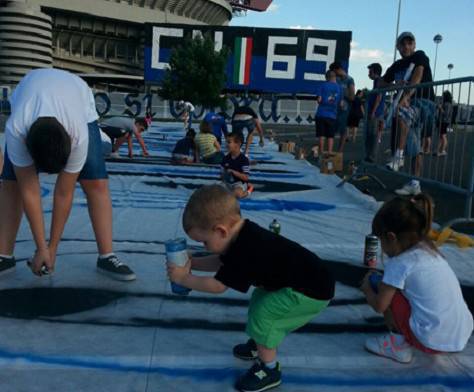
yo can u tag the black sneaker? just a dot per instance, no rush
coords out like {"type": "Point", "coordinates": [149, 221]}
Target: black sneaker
{"type": "Point", "coordinates": [7, 265]}
{"type": "Point", "coordinates": [114, 268]}
{"type": "Point", "coordinates": [246, 351]}
{"type": "Point", "coordinates": [259, 378]}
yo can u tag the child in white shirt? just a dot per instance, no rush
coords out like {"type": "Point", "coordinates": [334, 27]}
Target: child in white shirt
{"type": "Point", "coordinates": [419, 294]}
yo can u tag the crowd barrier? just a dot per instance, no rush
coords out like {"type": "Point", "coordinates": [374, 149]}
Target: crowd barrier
{"type": "Point", "coordinates": [438, 145]}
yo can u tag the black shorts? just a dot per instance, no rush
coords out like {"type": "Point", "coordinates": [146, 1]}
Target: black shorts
{"type": "Point", "coordinates": [353, 121]}
{"type": "Point", "coordinates": [325, 127]}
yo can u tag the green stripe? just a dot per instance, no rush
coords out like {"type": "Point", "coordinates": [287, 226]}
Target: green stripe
{"type": "Point", "coordinates": [237, 54]}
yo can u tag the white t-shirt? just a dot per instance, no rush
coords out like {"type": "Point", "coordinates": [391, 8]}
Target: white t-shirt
{"type": "Point", "coordinates": [51, 93]}
{"type": "Point", "coordinates": [440, 319]}
{"type": "Point", "coordinates": [188, 106]}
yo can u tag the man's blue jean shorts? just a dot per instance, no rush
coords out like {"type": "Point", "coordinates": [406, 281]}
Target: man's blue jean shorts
{"type": "Point", "coordinates": [94, 168]}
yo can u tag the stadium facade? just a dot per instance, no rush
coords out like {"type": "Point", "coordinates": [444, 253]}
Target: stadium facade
{"type": "Point", "coordinates": [90, 36]}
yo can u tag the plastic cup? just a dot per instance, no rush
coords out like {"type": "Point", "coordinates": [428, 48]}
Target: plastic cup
{"type": "Point", "coordinates": [177, 253]}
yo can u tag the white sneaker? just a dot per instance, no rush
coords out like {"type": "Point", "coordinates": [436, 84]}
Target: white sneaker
{"type": "Point", "coordinates": [391, 346]}
{"type": "Point", "coordinates": [411, 188]}
{"type": "Point", "coordinates": [115, 154]}
{"type": "Point", "coordinates": [396, 163]}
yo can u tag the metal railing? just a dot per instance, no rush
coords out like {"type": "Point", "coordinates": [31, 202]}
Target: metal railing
{"type": "Point", "coordinates": [431, 138]}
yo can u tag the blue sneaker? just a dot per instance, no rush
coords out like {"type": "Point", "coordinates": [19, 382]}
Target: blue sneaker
{"type": "Point", "coordinates": [259, 378]}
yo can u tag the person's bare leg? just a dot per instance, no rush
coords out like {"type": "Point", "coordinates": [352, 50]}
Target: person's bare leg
{"type": "Point", "coordinates": [342, 141]}
{"type": "Point", "coordinates": [11, 211]}
{"type": "Point", "coordinates": [266, 354]}
{"type": "Point", "coordinates": [100, 212]}
{"type": "Point", "coordinates": [248, 143]}
{"type": "Point", "coordinates": [418, 165]}
{"type": "Point", "coordinates": [403, 132]}
{"type": "Point", "coordinates": [330, 144]}
{"type": "Point", "coordinates": [322, 141]}
{"type": "Point", "coordinates": [118, 143]}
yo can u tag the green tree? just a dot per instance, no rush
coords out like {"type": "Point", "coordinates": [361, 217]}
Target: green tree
{"type": "Point", "coordinates": [196, 73]}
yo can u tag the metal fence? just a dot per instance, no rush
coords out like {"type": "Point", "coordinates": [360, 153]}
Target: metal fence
{"type": "Point", "coordinates": [430, 137]}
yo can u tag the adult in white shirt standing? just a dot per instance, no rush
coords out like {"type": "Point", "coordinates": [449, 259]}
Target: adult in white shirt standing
{"type": "Point", "coordinates": [53, 128]}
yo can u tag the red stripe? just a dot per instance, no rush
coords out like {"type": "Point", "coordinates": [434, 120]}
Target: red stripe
{"type": "Point", "coordinates": [248, 60]}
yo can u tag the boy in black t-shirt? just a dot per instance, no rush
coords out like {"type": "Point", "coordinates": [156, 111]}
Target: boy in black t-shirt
{"type": "Point", "coordinates": [236, 167]}
{"type": "Point", "coordinates": [185, 150]}
{"type": "Point", "coordinates": [292, 284]}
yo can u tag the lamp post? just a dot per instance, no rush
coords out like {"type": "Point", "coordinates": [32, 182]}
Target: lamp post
{"type": "Point", "coordinates": [396, 32]}
{"type": "Point", "coordinates": [450, 67]}
{"type": "Point", "coordinates": [437, 40]}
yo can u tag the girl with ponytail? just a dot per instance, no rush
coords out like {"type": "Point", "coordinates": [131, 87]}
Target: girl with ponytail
{"type": "Point", "coordinates": [419, 294]}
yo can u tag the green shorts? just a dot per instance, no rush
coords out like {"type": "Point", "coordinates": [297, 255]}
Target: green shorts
{"type": "Point", "coordinates": [274, 314]}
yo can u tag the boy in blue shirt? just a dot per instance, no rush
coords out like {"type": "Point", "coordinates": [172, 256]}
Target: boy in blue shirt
{"type": "Point", "coordinates": [236, 167]}
{"type": "Point", "coordinates": [329, 96]}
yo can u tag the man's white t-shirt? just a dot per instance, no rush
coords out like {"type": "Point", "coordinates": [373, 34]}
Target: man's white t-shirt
{"type": "Point", "coordinates": [440, 319]}
{"type": "Point", "coordinates": [50, 93]}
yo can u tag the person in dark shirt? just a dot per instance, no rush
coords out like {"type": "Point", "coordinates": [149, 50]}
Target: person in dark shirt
{"type": "Point", "coordinates": [355, 115]}
{"type": "Point", "coordinates": [416, 108]}
{"type": "Point", "coordinates": [375, 114]}
{"type": "Point", "coordinates": [185, 150]}
{"type": "Point", "coordinates": [245, 117]}
{"type": "Point", "coordinates": [292, 285]}
{"type": "Point", "coordinates": [236, 167]}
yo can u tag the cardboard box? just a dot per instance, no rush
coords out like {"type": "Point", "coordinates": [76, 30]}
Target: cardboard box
{"type": "Point", "coordinates": [286, 147]}
{"type": "Point", "coordinates": [330, 163]}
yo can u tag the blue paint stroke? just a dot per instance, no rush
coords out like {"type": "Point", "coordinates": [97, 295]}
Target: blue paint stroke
{"type": "Point", "coordinates": [245, 204]}
{"type": "Point", "coordinates": [220, 374]}
{"type": "Point", "coordinates": [283, 205]}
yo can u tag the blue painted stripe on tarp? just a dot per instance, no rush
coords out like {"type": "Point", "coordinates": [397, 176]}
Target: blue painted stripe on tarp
{"type": "Point", "coordinates": [283, 205]}
{"type": "Point", "coordinates": [245, 204]}
{"type": "Point", "coordinates": [220, 374]}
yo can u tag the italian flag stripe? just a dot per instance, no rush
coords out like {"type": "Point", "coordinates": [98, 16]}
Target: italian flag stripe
{"type": "Point", "coordinates": [242, 60]}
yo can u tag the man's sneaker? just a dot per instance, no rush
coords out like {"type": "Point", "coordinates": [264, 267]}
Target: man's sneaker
{"type": "Point", "coordinates": [250, 188]}
{"type": "Point", "coordinates": [115, 154]}
{"type": "Point", "coordinates": [396, 163]}
{"type": "Point", "coordinates": [7, 264]}
{"type": "Point", "coordinates": [259, 378]}
{"type": "Point", "coordinates": [391, 346]}
{"type": "Point", "coordinates": [246, 351]}
{"type": "Point", "coordinates": [411, 188]}
{"type": "Point", "coordinates": [114, 268]}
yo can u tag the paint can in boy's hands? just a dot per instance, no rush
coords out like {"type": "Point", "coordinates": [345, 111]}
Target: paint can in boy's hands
{"type": "Point", "coordinates": [177, 253]}
{"type": "Point", "coordinates": [275, 226]}
{"type": "Point", "coordinates": [371, 250]}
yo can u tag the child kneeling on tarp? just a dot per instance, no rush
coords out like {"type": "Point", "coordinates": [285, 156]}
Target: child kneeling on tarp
{"type": "Point", "coordinates": [419, 294]}
{"type": "Point", "coordinates": [292, 283]}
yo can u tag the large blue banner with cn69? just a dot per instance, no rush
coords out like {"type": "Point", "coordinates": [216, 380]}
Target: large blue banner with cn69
{"type": "Point", "coordinates": [261, 59]}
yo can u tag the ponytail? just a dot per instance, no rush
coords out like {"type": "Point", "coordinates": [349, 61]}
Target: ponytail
{"type": "Point", "coordinates": [409, 219]}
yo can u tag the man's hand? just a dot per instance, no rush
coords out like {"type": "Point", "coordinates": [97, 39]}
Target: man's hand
{"type": "Point", "coordinates": [42, 263]}
{"type": "Point", "coordinates": [177, 274]}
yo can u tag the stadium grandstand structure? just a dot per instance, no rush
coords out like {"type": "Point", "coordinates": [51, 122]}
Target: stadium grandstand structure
{"type": "Point", "coordinates": [90, 36]}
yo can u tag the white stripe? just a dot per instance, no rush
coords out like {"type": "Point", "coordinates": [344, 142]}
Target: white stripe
{"type": "Point", "coordinates": [243, 51]}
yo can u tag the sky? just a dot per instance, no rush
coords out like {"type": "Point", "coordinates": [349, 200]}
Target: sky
{"type": "Point", "coordinates": [373, 26]}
